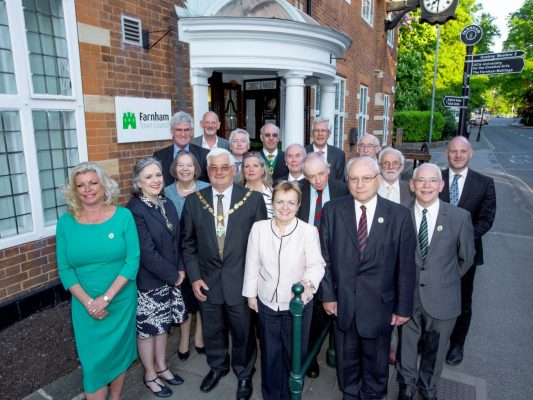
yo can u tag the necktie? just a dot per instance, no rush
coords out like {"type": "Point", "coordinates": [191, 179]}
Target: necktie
{"type": "Point", "coordinates": [221, 234]}
{"type": "Point", "coordinates": [454, 190]}
{"type": "Point", "coordinates": [318, 209]}
{"type": "Point", "coordinates": [423, 239]}
{"type": "Point", "coordinates": [238, 165]}
{"type": "Point", "coordinates": [321, 152]}
{"type": "Point", "coordinates": [270, 164]}
{"type": "Point", "coordinates": [389, 192]}
{"type": "Point", "coordinates": [362, 234]}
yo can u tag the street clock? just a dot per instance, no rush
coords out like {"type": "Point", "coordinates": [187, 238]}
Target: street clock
{"type": "Point", "coordinates": [438, 11]}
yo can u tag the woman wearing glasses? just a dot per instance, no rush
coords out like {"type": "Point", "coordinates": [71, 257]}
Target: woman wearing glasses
{"type": "Point", "coordinates": [255, 176]}
{"type": "Point", "coordinates": [281, 252]}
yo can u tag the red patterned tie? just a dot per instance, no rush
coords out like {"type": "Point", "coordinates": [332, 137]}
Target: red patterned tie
{"type": "Point", "coordinates": [318, 209]}
{"type": "Point", "coordinates": [362, 234]}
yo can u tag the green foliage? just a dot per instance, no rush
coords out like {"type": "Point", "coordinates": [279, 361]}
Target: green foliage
{"type": "Point", "coordinates": [490, 33]}
{"type": "Point", "coordinates": [521, 30]}
{"type": "Point", "coordinates": [415, 125]}
{"type": "Point", "coordinates": [409, 87]}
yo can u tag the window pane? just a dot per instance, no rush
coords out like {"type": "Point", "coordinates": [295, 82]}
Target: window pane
{"type": "Point", "coordinates": [45, 23]}
{"type": "Point", "coordinates": [7, 75]}
{"type": "Point", "coordinates": [13, 141]}
{"type": "Point", "coordinates": [44, 160]}
{"type": "Point", "coordinates": [19, 183]}
{"type": "Point", "coordinates": [5, 186]}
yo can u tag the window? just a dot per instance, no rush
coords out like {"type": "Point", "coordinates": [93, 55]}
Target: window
{"type": "Point", "coordinates": [367, 11]}
{"type": "Point", "coordinates": [362, 115]}
{"type": "Point", "coordinates": [390, 37]}
{"type": "Point", "coordinates": [338, 122]}
{"type": "Point", "coordinates": [386, 107]}
{"type": "Point", "coordinates": [42, 126]}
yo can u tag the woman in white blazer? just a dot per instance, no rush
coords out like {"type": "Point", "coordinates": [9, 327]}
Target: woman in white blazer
{"type": "Point", "coordinates": [281, 252]}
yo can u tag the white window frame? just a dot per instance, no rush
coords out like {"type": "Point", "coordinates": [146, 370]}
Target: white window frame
{"type": "Point", "coordinates": [367, 11]}
{"type": "Point", "coordinates": [340, 112]}
{"type": "Point", "coordinates": [25, 101]}
{"type": "Point", "coordinates": [362, 115]}
{"type": "Point", "coordinates": [390, 38]}
{"type": "Point", "coordinates": [386, 119]}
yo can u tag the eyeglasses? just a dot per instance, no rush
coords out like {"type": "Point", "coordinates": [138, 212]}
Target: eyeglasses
{"type": "Point", "coordinates": [181, 130]}
{"type": "Point", "coordinates": [363, 179]}
{"type": "Point", "coordinates": [430, 181]}
{"type": "Point", "coordinates": [271, 135]}
{"type": "Point", "coordinates": [366, 146]}
{"type": "Point", "coordinates": [389, 164]}
{"type": "Point", "coordinates": [221, 168]}
{"type": "Point", "coordinates": [320, 130]}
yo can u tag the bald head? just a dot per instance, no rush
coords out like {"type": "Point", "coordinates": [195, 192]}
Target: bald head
{"type": "Point", "coordinates": [210, 123]}
{"type": "Point", "coordinates": [459, 152]}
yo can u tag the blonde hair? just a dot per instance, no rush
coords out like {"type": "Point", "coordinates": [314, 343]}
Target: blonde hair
{"type": "Point", "coordinates": [71, 194]}
{"type": "Point", "coordinates": [266, 178]}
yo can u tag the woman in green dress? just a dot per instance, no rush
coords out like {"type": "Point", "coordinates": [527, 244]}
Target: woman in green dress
{"type": "Point", "coordinates": [98, 259]}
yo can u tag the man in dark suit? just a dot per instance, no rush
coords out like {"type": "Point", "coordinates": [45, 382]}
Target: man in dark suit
{"type": "Point", "coordinates": [368, 146]}
{"type": "Point", "coordinates": [475, 193]}
{"type": "Point", "coordinates": [317, 189]}
{"type": "Point", "coordinates": [391, 163]}
{"type": "Point", "coordinates": [294, 157]}
{"type": "Point", "coordinates": [444, 253]}
{"type": "Point", "coordinates": [208, 140]}
{"type": "Point", "coordinates": [182, 130]}
{"type": "Point", "coordinates": [369, 246]}
{"type": "Point", "coordinates": [216, 225]}
{"type": "Point", "coordinates": [321, 131]}
{"type": "Point", "coordinates": [274, 158]}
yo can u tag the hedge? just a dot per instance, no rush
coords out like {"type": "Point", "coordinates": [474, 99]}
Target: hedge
{"type": "Point", "coordinates": [415, 125]}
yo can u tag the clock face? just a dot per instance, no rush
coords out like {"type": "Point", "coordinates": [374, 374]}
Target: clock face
{"type": "Point", "coordinates": [437, 6]}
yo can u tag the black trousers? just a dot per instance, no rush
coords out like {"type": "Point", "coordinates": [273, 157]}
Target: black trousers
{"type": "Point", "coordinates": [220, 319]}
{"type": "Point", "coordinates": [462, 325]}
{"type": "Point", "coordinates": [362, 364]}
{"type": "Point", "coordinates": [318, 321]}
{"type": "Point", "coordinates": [276, 349]}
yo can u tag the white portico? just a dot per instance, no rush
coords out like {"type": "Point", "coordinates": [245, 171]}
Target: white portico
{"type": "Point", "coordinates": [262, 38]}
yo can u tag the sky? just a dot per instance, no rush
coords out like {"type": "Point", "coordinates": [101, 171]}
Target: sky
{"type": "Point", "coordinates": [501, 9]}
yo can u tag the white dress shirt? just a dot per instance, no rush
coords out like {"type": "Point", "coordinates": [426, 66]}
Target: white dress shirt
{"type": "Point", "coordinates": [431, 217]}
{"type": "Point", "coordinates": [388, 191]}
{"type": "Point", "coordinates": [460, 182]}
{"type": "Point", "coordinates": [226, 201]}
{"type": "Point", "coordinates": [370, 211]}
{"type": "Point", "coordinates": [324, 151]}
{"type": "Point", "coordinates": [205, 145]}
{"type": "Point", "coordinates": [290, 178]}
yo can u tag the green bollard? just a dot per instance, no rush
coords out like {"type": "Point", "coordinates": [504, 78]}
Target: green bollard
{"type": "Point", "coordinates": [296, 308]}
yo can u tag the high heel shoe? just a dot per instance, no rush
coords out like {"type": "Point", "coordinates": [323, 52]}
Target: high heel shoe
{"type": "Point", "coordinates": [200, 350]}
{"type": "Point", "coordinates": [183, 356]}
{"type": "Point", "coordinates": [175, 380]}
{"type": "Point", "coordinates": [164, 392]}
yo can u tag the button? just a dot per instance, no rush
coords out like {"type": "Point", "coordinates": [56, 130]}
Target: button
{"type": "Point", "coordinates": [422, 284]}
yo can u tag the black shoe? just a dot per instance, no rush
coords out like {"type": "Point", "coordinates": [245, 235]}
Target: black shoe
{"type": "Point", "coordinates": [183, 356]}
{"type": "Point", "coordinates": [402, 395]}
{"type": "Point", "coordinates": [175, 380]}
{"type": "Point", "coordinates": [455, 355]}
{"type": "Point", "coordinates": [200, 350]}
{"type": "Point", "coordinates": [164, 392]}
{"type": "Point", "coordinates": [211, 380]}
{"type": "Point", "coordinates": [314, 370]}
{"type": "Point", "coordinates": [244, 389]}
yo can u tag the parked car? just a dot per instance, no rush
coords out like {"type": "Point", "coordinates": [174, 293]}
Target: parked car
{"type": "Point", "coordinates": [477, 120]}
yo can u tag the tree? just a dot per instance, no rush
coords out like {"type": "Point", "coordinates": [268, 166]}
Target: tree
{"type": "Point", "coordinates": [490, 33]}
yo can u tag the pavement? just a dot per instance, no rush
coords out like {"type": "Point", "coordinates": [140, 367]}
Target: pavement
{"type": "Point", "coordinates": [499, 347]}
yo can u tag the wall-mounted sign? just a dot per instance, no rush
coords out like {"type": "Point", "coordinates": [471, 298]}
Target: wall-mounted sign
{"type": "Point", "coordinates": [142, 120]}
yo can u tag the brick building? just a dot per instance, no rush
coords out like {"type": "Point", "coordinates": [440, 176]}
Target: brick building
{"type": "Point", "coordinates": [65, 66]}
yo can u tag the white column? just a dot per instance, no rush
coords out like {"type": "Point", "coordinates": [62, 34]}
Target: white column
{"type": "Point", "coordinates": [200, 101]}
{"type": "Point", "coordinates": [293, 131]}
{"type": "Point", "coordinates": [327, 102]}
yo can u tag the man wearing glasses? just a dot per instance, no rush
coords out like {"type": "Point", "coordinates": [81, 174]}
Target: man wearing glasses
{"type": "Point", "coordinates": [368, 146]}
{"type": "Point", "coordinates": [274, 158]}
{"type": "Point", "coordinates": [444, 253]}
{"type": "Point", "coordinates": [216, 223]}
{"type": "Point", "coordinates": [369, 246]}
{"type": "Point", "coordinates": [321, 131]}
{"type": "Point", "coordinates": [391, 163]}
{"type": "Point", "coordinates": [181, 129]}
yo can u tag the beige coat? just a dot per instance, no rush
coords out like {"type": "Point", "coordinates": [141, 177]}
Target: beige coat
{"type": "Point", "coordinates": [275, 262]}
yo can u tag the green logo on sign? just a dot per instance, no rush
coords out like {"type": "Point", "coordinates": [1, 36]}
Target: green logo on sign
{"type": "Point", "coordinates": [129, 121]}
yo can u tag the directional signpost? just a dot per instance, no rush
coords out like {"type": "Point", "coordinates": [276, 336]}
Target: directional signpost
{"type": "Point", "coordinates": [454, 101]}
{"type": "Point", "coordinates": [497, 65]}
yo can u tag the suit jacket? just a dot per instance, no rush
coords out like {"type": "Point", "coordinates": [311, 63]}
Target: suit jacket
{"type": "Point", "coordinates": [200, 248]}
{"type": "Point", "coordinates": [479, 198]}
{"type": "Point", "coordinates": [406, 196]}
{"type": "Point", "coordinates": [336, 189]}
{"type": "Point", "coordinates": [451, 253]}
{"type": "Point", "coordinates": [166, 156]}
{"type": "Point", "coordinates": [222, 143]}
{"type": "Point", "coordinates": [280, 168]}
{"type": "Point", "coordinates": [371, 289]}
{"type": "Point", "coordinates": [336, 159]}
{"type": "Point", "coordinates": [160, 248]}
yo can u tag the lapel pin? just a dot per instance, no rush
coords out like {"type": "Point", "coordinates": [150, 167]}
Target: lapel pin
{"type": "Point", "coordinates": [439, 228]}
{"type": "Point", "coordinates": [111, 236]}
{"type": "Point", "coordinates": [380, 220]}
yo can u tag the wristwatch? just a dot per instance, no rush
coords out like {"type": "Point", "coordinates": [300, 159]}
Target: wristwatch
{"type": "Point", "coordinates": [106, 299]}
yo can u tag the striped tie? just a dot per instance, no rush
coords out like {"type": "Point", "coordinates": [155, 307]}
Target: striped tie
{"type": "Point", "coordinates": [362, 234]}
{"type": "Point", "coordinates": [318, 209]}
{"type": "Point", "coordinates": [423, 239]}
{"type": "Point", "coordinates": [454, 190]}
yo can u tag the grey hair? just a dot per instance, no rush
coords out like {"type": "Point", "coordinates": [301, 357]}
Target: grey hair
{"type": "Point", "coordinates": [393, 151]}
{"type": "Point", "coordinates": [367, 160]}
{"type": "Point", "coordinates": [71, 194]}
{"type": "Point", "coordinates": [290, 146]}
{"type": "Point", "coordinates": [138, 168]}
{"type": "Point", "coordinates": [220, 152]}
{"type": "Point", "coordinates": [375, 139]}
{"type": "Point", "coordinates": [319, 120]}
{"type": "Point", "coordinates": [313, 157]}
{"type": "Point", "coordinates": [427, 165]}
{"type": "Point", "coordinates": [181, 117]}
{"type": "Point", "coordinates": [235, 132]}
{"type": "Point", "coordinates": [265, 125]}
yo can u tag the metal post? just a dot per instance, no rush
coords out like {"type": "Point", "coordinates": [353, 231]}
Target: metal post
{"type": "Point", "coordinates": [435, 69]}
{"type": "Point", "coordinates": [480, 123]}
{"type": "Point", "coordinates": [296, 308]}
{"type": "Point", "coordinates": [466, 91]}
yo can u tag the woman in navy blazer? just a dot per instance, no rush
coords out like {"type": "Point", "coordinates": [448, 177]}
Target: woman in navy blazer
{"type": "Point", "coordinates": [161, 271]}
